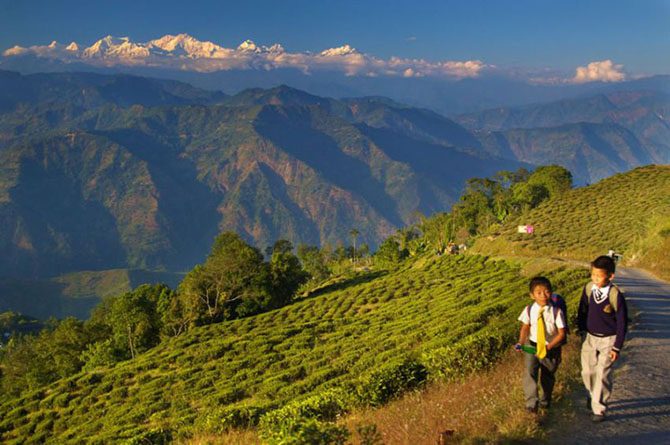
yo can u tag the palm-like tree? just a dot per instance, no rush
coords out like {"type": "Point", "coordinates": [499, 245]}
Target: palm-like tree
{"type": "Point", "coordinates": [354, 235]}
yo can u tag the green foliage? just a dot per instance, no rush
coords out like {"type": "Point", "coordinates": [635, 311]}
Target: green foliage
{"type": "Point", "coordinates": [32, 361]}
{"type": "Point", "coordinates": [360, 341]}
{"type": "Point", "coordinates": [389, 253]}
{"type": "Point", "coordinates": [13, 323]}
{"type": "Point", "coordinates": [302, 422]}
{"type": "Point", "coordinates": [389, 380]}
{"type": "Point", "coordinates": [133, 319]}
{"type": "Point", "coordinates": [314, 261]}
{"type": "Point", "coordinates": [554, 178]}
{"type": "Point", "coordinates": [309, 431]}
{"type": "Point", "coordinates": [487, 202]}
{"type": "Point", "coordinates": [100, 354]}
{"type": "Point", "coordinates": [625, 212]}
{"type": "Point", "coordinates": [286, 274]}
{"type": "Point", "coordinates": [233, 273]}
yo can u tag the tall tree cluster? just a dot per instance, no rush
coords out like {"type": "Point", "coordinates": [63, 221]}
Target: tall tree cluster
{"type": "Point", "coordinates": [234, 281]}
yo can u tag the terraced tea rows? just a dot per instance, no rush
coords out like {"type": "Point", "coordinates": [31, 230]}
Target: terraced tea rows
{"type": "Point", "coordinates": [365, 341]}
{"type": "Point", "coordinates": [629, 213]}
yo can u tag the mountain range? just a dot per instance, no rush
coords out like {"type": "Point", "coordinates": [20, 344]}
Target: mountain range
{"type": "Point", "coordinates": [101, 172]}
{"type": "Point", "coordinates": [91, 182]}
{"type": "Point", "coordinates": [594, 137]}
{"type": "Point", "coordinates": [448, 87]}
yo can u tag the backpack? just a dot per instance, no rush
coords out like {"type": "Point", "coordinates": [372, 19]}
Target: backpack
{"type": "Point", "coordinates": [612, 296]}
{"type": "Point", "coordinates": [557, 303]}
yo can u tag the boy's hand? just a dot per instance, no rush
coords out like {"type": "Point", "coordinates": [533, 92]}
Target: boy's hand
{"type": "Point", "coordinates": [517, 347]}
{"type": "Point", "coordinates": [614, 356]}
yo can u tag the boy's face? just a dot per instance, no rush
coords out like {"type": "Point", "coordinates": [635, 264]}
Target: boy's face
{"type": "Point", "coordinates": [600, 277]}
{"type": "Point", "coordinates": [541, 295]}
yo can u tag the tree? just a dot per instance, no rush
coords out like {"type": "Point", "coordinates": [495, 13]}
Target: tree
{"type": "Point", "coordinates": [134, 321]}
{"type": "Point", "coordinates": [65, 345]}
{"type": "Point", "coordinates": [233, 272]}
{"type": "Point", "coordinates": [286, 274]}
{"type": "Point", "coordinates": [527, 196]}
{"type": "Point", "coordinates": [438, 230]}
{"type": "Point", "coordinates": [354, 236]}
{"type": "Point", "coordinates": [389, 252]}
{"type": "Point", "coordinates": [554, 178]}
{"type": "Point", "coordinates": [314, 261]}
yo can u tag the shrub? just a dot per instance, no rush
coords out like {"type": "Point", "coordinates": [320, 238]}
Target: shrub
{"type": "Point", "coordinates": [390, 380]}
{"type": "Point", "coordinates": [326, 405]}
{"type": "Point", "coordinates": [223, 419]}
{"type": "Point", "coordinates": [306, 432]}
{"type": "Point", "coordinates": [157, 436]}
{"type": "Point", "coordinates": [472, 354]}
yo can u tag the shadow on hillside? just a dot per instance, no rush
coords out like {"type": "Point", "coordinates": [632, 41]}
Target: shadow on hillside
{"type": "Point", "coordinates": [343, 284]}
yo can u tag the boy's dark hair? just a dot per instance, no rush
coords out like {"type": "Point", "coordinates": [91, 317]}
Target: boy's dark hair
{"type": "Point", "coordinates": [539, 281]}
{"type": "Point", "coordinates": [605, 263]}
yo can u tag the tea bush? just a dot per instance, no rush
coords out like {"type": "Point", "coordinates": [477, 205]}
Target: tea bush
{"type": "Point", "coordinates": [298, 367]}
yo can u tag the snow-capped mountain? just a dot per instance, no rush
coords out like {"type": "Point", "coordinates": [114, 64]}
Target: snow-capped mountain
{"type": "Point", "coordinates": [186, 53]}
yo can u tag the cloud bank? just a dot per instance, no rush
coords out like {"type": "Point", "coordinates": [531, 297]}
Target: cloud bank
{"type": "Point", "coordinates": [602, 71]}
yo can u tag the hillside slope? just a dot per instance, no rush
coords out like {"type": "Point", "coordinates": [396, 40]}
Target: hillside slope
{"type": "Point", "coordinates": [628, 212]}
{"type": "Point", "coordinates": [99, 185]}
{"type": "Point", "coordinates": [593, 136]}
{"type": "Point", "coordinates": [357, 343]}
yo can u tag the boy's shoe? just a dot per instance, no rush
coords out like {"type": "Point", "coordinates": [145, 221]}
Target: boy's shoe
{"type": "Point", "coordinates": [531, 409]}
{"type": "Point", "coordinates": [597, 418]}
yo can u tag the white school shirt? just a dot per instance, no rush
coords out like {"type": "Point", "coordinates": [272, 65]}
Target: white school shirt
{"type": "Point", "coordinates": [551, 325]}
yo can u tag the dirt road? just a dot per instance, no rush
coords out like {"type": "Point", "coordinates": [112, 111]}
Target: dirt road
{"type": "Point", "coordinates": [639, 411]}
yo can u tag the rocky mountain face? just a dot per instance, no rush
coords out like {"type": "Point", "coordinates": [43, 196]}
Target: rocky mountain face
{"type": "Point", "coordinates": [103, 172]}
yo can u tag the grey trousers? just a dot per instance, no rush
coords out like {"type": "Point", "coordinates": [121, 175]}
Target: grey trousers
{"type": "Point", "coordinates": [596, 370]}
{"type": "Point", "coordinates": [542, 370]}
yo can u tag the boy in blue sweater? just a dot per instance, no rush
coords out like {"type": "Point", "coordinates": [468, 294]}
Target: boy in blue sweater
{"type": "Point", "coordinates": [602, 320]}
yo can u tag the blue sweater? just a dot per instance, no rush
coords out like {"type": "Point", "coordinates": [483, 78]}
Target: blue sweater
{"type": "Point", "coordinates": [601, 320]}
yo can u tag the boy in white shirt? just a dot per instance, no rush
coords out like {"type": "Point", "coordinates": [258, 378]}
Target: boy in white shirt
{"type": "Point", "coordinates": [543, 327]}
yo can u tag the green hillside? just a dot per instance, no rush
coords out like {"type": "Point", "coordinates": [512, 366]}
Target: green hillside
{"type": "Point", "coordinates": [359, 342]}
{"type": "Point", "coordinates": [628, 212]}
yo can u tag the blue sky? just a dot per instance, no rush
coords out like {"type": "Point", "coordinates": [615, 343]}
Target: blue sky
{"type": "Point", "coordinates": [517, 33]}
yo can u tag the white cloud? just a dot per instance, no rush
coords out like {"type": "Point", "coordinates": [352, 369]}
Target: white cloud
{"type": "Point", "coordinates": [187, 53]}
{"type": "Point", "coordinates": [602, 71]}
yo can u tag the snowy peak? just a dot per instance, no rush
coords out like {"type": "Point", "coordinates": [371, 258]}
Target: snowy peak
{"type": "Point", "coordinates": [186, 45]}
{"type": "Point", "coordinates": [186, 53]}
{"type": "Point", "coordinates": [344, 50]}
{"type": "Point", "coordinates": [248, 46]}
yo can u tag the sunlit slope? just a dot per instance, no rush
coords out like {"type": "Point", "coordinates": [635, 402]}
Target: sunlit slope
{"type": "Point", "coordinates": [628, 212]}
{"type": "Point", "coordinates": [367, 339]}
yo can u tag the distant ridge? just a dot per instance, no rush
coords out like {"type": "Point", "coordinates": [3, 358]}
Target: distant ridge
{"type": "Point", "coordinates": [105, 172]}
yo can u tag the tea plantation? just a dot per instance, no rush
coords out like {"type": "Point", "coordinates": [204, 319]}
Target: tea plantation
{"type": "Point", "coordinates": [360, 342]}
{"type": "Point", "coordinates": [628, 212]}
